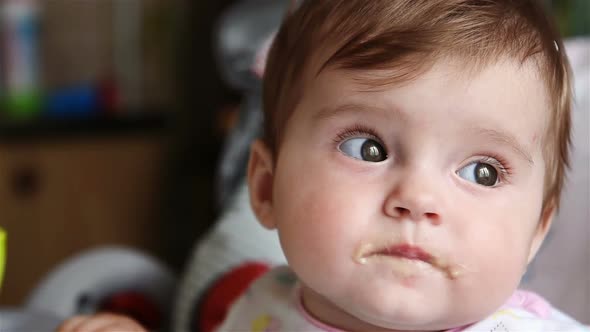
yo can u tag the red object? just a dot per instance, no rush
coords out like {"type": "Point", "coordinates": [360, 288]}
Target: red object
{"type": "Point", "coordinates": [108, 96]}
{"type": "Point", "coordinates": [134, 305]}
{"type": "Point", "coordinates": [224, 291]}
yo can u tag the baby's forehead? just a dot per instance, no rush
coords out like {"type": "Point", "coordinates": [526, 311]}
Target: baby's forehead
{"type": "Point", "coordinates": [498, 78]}
{"type": "Point", "coordinates": [505, 94]}
{"type": "Point", "coordinates": [452, 68]}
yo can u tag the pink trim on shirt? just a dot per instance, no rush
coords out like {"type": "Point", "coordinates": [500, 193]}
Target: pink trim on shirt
{"type": "Point", "coordinates": [530, 302]}
{"type": "Point", "coordinates": [309, 318]}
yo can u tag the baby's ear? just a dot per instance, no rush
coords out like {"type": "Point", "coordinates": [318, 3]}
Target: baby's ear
{"type": "Point", "coordinates": [260, 183]}
{"type": "Point", "coordinates": [542, 228]}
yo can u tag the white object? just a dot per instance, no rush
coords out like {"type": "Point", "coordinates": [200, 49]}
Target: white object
{"type": "Point", "coordinates": [97, 273]}
{"type": "Point", "coordinates": [20, 321]}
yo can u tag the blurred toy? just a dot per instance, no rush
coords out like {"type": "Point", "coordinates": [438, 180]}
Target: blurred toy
{"type": "Point", "coordinates": [20, 26]}
{"type": "Point", "coordinates": [75, 101]}
{"type": "Point", "coordinates": [112, 279]}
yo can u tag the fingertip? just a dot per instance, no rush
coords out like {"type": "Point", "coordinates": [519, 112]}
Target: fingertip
{"type": "Point", "coordinates": [71, 324]}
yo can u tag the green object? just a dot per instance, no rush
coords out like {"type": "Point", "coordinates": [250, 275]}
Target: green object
{"type": "Point", "coordinates": [573, 17]}
{"type": "Point", "coordinates": [23, 105]}
{"type": "Point", "coordinates": [2, 253]}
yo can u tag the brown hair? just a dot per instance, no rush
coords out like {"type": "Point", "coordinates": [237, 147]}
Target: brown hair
{"type": "Point", "coordinates": [409, 36]}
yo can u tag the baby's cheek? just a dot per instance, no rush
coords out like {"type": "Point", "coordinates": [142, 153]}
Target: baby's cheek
{"type": "Point", "coordinates": [495, 275]}
{"type": "Point", "coordinates": [313, 234]}
{"type": "Point", "coordinates": [311, 237]}
{"type": "Point", "coordinates": [502, 258]}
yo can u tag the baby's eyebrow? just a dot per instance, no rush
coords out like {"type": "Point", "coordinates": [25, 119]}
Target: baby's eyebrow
{"type": "Point", "coordinates": [505, 138]}
{"type": "Point", "coordinates": [339, 109]}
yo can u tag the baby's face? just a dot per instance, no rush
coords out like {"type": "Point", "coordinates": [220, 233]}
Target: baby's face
{"type": "Point", "coordinates": [415, 206]}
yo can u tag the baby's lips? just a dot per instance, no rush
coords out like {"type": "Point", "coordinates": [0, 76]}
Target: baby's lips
{"type": "Point", "coordinates": [405, 250]}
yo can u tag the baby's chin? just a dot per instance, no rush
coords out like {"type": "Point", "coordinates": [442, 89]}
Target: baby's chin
{"type": "Point", "coordinates": [400, 323]}
{"type": "Point", "coordinates": [385, 305]}
{"type": "Point", "coordinates": [400, 317]}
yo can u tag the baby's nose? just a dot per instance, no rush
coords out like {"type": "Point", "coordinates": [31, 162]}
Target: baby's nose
{"type": "Point", "coordinates": [412, 198]}
{"type": "Point", "coordinates": [414, 214]}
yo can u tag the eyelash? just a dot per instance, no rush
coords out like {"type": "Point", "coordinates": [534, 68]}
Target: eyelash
{"type": "Point", "coordinates": [357, 130]}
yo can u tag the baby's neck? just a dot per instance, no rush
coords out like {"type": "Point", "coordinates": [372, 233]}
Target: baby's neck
{"type": "Point", "coordinates": [326, 312]}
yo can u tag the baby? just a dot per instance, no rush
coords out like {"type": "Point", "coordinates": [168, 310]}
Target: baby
{"type": "Point", "coordinates": [412, 162]}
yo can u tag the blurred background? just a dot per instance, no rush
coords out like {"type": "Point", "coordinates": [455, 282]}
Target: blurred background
{"type": "Point", "coordinates": [112, 122]}
{"type": "Point", "coordinates": [112, 114]}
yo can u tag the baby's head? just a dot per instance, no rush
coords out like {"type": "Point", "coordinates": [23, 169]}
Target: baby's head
{"type": "Point", "coordinates": [413, 156]}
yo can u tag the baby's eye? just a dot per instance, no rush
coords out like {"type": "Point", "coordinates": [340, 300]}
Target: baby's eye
{"type": "Point", "coordinates": [480, 173]}
{"type": "Point", "coordinates": [362, 148]}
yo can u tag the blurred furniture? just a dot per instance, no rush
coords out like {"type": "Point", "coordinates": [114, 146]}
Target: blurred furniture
{"type": "Point", "coordinates": [84, 169]}
{"type": "Point", "coordinates": [61, 196]}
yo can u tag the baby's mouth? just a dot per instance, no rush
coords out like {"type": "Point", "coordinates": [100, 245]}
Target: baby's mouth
{"type": "Point", "coordinates": [410, 252]}
{"type": "Point", "coordinates": [404, 251]}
